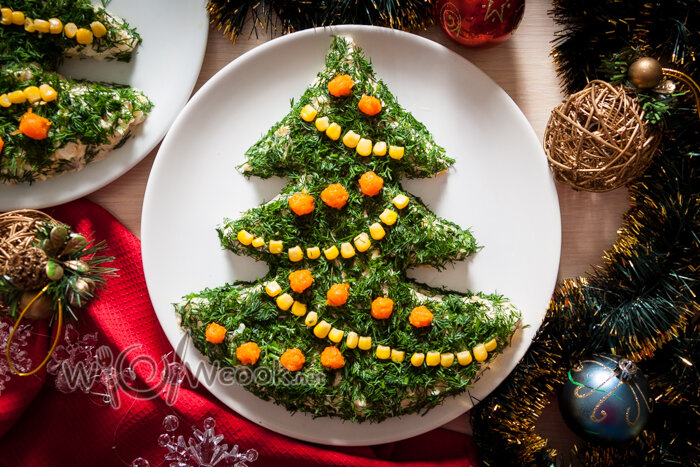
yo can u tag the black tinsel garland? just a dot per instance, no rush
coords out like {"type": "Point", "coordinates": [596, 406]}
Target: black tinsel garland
{"type": "Point", "coordinates": [642, 303]}
{"type": "Point", "coordinates": [287, 16]}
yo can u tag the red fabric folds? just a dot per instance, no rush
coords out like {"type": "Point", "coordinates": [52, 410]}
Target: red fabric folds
{"type": "Point", "coordinates": [43, 426]}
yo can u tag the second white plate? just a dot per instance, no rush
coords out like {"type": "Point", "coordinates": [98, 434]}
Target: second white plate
{"type": "Point", "coordinates": [500, 186]}
{"type": "Point", "coordinates": [165, 67]}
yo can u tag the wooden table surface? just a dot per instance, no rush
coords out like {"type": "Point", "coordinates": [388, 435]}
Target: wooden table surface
{"type": "Point", "coordinates": [523, 67]}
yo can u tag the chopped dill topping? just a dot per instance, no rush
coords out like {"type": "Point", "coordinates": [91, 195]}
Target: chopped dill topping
{"type": "Point", "coordinates": [366, 388]}
{"type": "Point", "coordinates": [94, 117]}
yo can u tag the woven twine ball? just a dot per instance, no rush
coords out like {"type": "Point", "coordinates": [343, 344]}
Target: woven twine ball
{"type": "Point", "coordinates": [598, 140]}
{"type": "Point", "coordinates": [21, 261]}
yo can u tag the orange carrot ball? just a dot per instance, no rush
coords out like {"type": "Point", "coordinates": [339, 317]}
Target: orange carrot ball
{"type": "Point", "coordinates": [332, 358]}
{"type": "Point", "coordinates": [335, 195]}
{"type": "Point", "coordinates": [248, 353]}
{"type": "Point", "coordinates": [301, 203]}
{"type": "Point", "coordinates": [300, 280]}
{"type": "Point", "coordinates": [293, 359]}
{"type": "Point", "coordinates": [420, 317]}
{"type": "Point", "coordinates": [382, 307]}
{"type": "Point", "coordinates": [369, 105]}
{"type": "Point", "coordinates": [34, 126]}
{"type": "Point", "coordinates": [215, 333]}
{"type": "Point", "coordinates": [371, 183]}
{"type": "Point", "coordinates": [341, 85]}
{"type": "Point", "coordinates": [337, 295]}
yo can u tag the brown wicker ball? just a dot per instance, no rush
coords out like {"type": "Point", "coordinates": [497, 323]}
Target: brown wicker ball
{"type": "Point", "coordinates": [18, 233]}
{"type": "Point", "coordinates": [598, 140]}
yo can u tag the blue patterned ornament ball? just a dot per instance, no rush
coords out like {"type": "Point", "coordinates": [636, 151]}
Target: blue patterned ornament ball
{"type": "Point", "coordinates": [606, 399]}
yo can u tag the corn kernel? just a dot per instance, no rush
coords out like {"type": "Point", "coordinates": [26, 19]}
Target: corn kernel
{"type": "Point", "coordinates": [377, 231]}
{"type": "Point", "coordinates": [362, 242]}
{"type": "Point", "coordinates": [55, 26]}
{"type": "Point", "coordinates": [295, 254]}
{"type": "Point", "coordinates": [480, 353]}
{"type": "Point", "coordinates": [70, 30]}
{"type": "Point", "coordinates": [98, 29]}
{"type": "Point", "coordinates": [464, 357]}
{"type": "Point", "coordinates": [351, 340]}
{"type": "Point", "coordinates": [276, 247]}
{"type": "Point", "coordinates": [32, 94]}
{"type": "Point", "coordinates": [388, 217]}
{"type": "Point", "coordinates": [5, 101]}
{"type": "Point", "coordinates": [48, 94]}
{"type": "Point", "coordinates": [285, 301]}
{"type": "Point", "coordinates": [351, 139]}
{"type": "Point", "coordinates": [333, 131]}
{"type": "Point", "coordinates": [29, 25]}
{"type": "Point", "coordinates": [17, 97]}
{"type": "Point", "coordinates": [364, 147]}
{"type": "Point", "coordinates": [336, 335]}
{"type": "Point", "coordinates": [311, 319]}
{"type": "Point", "coordinates": [258, 241]}
{"type": "Point", "coordinates": [245, 237]}
{"type": "Point", "coordinates": [18, 18]}
{"type": "Point", "coordinates": [447, 359]}
{"type": "Point", "coordinates": [383, 352]}
{"type": "Point", "coordinates": [400, 201]}
{"type": "Point", "coordinates": [6, 16]}
{"type": "Point", "coordinates": [322, 329]}
{"type": "Point", "coordinates": [397, 356]}
{"type": "Point", "coordinates": [417, 359]}
{"type": "Point", "coordinates": [379, 148]}
{"type": "Point", "coordinates": [322, 123]}
{"type": "Point", "coordinates": [432, 358]}
{"type": "Point", "coordinates": [313, 253]}
{"type": "Point", "coordinates": [364, 343]}
{"type": "Point", "coordinates": [83, 36]}
{"type": "Point", "coordinates": [41, 25]}
{"type": "Point", "coordinates": [273, 288]}
{"type": "Point", "coordinates": [396, 152]}
{"type": "Point", "coordinates": [491, 345]}
{"type": "Point", "coordinates": [308, 113]}
{"type": "Point", "coordinates": [346, 250]}
{"type": "Point", "coordinates": [298, 308]}
{"type": "Point", "coordinates": [331, 253]}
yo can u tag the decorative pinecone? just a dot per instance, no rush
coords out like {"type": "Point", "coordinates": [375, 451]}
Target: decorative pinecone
{"type": "Point", "coordinates": [27, 269]}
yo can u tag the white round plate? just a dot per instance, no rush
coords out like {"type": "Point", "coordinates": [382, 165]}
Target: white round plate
{"type": "Point", "coordinates": [500, 186]}
{"type": "Point", "coordinates": [165, 67]}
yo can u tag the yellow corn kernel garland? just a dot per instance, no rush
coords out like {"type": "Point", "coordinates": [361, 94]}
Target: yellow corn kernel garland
{"type": "Point", "coordinates": [83, 36]}
{"type": "Point", "coordinates": [363, 146]}
{"type": "Point", "coordinates": [32, 94]}
{"type": "Point", "coordinates": [361, 241]}
{"type": "Point", "coordinates": [324, 330]}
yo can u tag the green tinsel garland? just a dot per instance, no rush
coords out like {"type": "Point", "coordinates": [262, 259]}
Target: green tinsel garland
{"type": "Point", "coordinates": [294, 15]}
{"type": "Point", "coordinates": [642, 304]}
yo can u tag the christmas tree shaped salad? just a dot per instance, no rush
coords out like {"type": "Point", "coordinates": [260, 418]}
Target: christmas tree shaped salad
{"type": "Point", "coordinates": [50, 124]}
{"type": "Point", "coordinates": [336, 320]}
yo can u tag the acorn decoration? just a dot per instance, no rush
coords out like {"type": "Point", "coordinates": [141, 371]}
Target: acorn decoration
{"type": "Point", "coordinates": [42, 263]}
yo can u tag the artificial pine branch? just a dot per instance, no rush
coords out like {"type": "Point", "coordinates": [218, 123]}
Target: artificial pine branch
{"type": "Point", "coordinates": [285, 16]}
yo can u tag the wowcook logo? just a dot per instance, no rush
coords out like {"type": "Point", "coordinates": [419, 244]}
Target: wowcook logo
{"type": "Point", "coordinates": [102, 373]}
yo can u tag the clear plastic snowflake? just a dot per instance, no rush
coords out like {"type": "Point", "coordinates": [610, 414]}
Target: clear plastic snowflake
{"type": "Point", "coordinates": [19, 356]}
{"type": "Point", "coordinates": [202, 449]}
{"type": "Point", "coordinates": [78, 364]}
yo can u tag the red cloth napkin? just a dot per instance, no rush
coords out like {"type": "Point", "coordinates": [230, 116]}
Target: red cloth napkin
{"type": "Point", "coordinates": [45, 427]}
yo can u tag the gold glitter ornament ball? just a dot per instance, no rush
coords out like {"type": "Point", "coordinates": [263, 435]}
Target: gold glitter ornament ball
{"type": "Point", "coordinates": [645, 73]}
{"type": "Point", "coordinates": [598, 140]}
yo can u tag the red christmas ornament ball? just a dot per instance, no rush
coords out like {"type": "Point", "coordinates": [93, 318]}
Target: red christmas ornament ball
{"type": "Point", "coordinates": [479, 22]}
